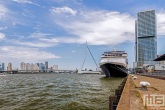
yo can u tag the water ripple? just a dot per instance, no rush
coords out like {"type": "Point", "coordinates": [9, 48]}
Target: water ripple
{"type": "Point", "coordinates": [56, 92]}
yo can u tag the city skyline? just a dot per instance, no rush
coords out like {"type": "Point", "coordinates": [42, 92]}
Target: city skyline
{"type": "Point", "coordinates": [28, 66]}
{"type": "Point", "coordinates": [56, 30]}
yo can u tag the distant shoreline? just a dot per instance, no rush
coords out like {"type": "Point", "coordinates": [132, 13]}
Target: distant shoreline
{"type": "Point", "coordinates": [39, 73]}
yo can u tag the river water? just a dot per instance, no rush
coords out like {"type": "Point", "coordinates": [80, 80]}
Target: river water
{"type": "Point", "coordinates": [56, 91]}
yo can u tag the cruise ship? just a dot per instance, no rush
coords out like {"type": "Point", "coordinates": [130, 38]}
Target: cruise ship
{"type": "Point", "coordinates": [114, 63]}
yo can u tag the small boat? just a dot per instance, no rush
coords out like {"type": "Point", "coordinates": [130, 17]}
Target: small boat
{"type": "Point", "coordinates": [89, 72]}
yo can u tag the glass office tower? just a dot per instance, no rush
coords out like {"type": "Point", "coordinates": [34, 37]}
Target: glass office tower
{"type": "Point", "coordinates": [145, 31]}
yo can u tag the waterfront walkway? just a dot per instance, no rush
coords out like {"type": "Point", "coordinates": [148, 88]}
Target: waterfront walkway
{"type": "Point", "coordinates": [132, 96]}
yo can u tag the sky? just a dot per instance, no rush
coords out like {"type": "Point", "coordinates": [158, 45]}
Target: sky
{"type": "Point", "coordinates": [33, 31]}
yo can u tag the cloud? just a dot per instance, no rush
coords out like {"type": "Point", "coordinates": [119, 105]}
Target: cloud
{"type": "Point", "coordinates": [3, 11]}
{"type": "Point", "coordinates": [32, 43]}
{"type": "Point", "coordinates": [33, 40]}
{"type": "Point", "coordinates": [2, 36]}
{"type": "Point", "coordinates": [58, 0]}
{"type": "Point", "coordinates": [9, 17]}
{"type": "Point", "coordinates": [98, 27]}
{"type": "Point", "coordinates": [23, 1]}
{"type": "Point", "coordinates": [53, 40]}
{"type": "Point", "coordinates": [24, 54]}
{"type": "Point", "coordinates": [38, 35]}
{"type": "Point", "coordinates": [26, 2]}
{"type": "Point", "coordinates": [101, 27]}
{"type": "Point", "coordinates": [75, 3]}
{"type": "Point", "coordinates": [63, 10]}
{"type": "Point", "coordinates": [3, 28]}
{"type": "Point", "coordinates": [73, 51]}
{"type": "Point", "coordinates": [161, 23]}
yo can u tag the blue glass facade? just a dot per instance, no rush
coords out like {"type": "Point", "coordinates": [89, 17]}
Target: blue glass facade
{"type": "Point", "coordinates": [147, 49]}
{"type": "Point", "coordinates": [145, 30]}
{"type": "Point", "coordinates": [2, 66]}
{"type": "Point", "coordinates": [146, 24]}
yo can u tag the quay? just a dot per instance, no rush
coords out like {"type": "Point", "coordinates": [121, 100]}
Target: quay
{"type": "Point", "coordinates": [134, 98]}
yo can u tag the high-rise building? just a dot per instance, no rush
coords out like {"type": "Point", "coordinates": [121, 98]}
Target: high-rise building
{"type": "Point", "coordinates": [145, 33]}
{"type": "Point", "coordinates": [36, 67]}
{"type": "Point", "coordinates": [46, 64]}
{"type": "Point", "coordinates": [38, 64]}
{"type": "Point", "coordinates": [9, 67]}
{"type": "Point", "coordinates": [2, 66]}
{"type": "Point", "coordinates": [28, 66]}
{"type": "Point", "coordinates": [55, 67]}
{"type": "Point", "coordinates": [31, 66]}
{"type": "Point", "coordinates": [23, 66]}
{"type": "Point", "coordinates": [41, 66]}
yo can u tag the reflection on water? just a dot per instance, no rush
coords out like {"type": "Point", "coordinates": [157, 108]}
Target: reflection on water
{"type": "Point", "coordinates": [56, 91]}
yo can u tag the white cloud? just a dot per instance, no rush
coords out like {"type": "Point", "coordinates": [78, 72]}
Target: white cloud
{"type": "Point", "coordinates": [3, 11]}
{"type": "Point", "coordinates": [32, 44]}
{"type": "Point", "coordinates": [26, 2]}
{"type": "Point", "coordinates": [33, 40]}
{"type": "Point", "coordinates": [38, 35]}
{"type": "Point", "coordinates": [161, 23]}
{"type": "Point", "coordinates": [63, 10]}
{"type": "Point", "coordinates": [102, 27]}
{"type": "Point", "coordinates": [24, 54]}
{"type": "Point", "coordinates": [98, 27]}
{"type": "Point", "coordinates": [23, 1]}
{"type": "Point", "coordinates": [73, 51]}
{"type": "Point", "coordinates": [53, 40]}
{"type": "Point", "coordinates": [58, 0]}
{"type": "Point", "coordinates": [9, 17]}
{"type": "Point", "coordinates": [61, 40]}
{"type": "Point", "coordinates": [3, 28]}
{"type": "Point", "coordinates": [75, 3]}
{"type": "Point", "coordinates": [2, 36]}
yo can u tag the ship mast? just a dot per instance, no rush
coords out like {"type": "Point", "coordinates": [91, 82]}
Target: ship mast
{"type": "Point", "coordinates": [91, 55]}
{"type": "Point", "coordinates": [86, 56]}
